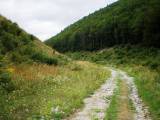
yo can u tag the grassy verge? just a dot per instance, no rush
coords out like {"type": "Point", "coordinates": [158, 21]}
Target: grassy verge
{"type": "Point", "coordinates": [43, 91]}
{"type": "Point", "coordinates": [148, 84]}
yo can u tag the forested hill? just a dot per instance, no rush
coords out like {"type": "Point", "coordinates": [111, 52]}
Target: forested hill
{"type": "Point", "coordinates": [18, 46]}
{"type": "Point", "coordinates": [12, 36]}
{"type": "Point", "coordinates": [123, 22]}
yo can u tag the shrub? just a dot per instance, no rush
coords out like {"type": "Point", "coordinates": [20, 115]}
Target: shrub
{"type": "Point", "coordinates": [18, 58]}
{"type": "Point", "coordinates": [5, 77]}
{"type": "Point", "coordinates": [41, 57]}
{"type": "Point", "coordinates": [5, 81]}
{"type": "Point", "coordinates": [50, 60]}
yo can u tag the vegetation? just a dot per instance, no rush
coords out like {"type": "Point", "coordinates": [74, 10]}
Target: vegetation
{"type": "Point", "coordinates": [20, 51]}
{"type": "Point", "coordinates": [142, 63]}
{"type": "Point", "coordinates": [11, 36]}
{"type": "Point", "coordinates": [148, 83]}
{"type": "Point", "coordinates": [123, 22]}
{"type": "Point", "coordinates": [111, 113]}
{"type": "Point", "coordinates": [120, 55]}
{"type": "Point", "coordinates": [36, 82]}
{"type": "Point", "coordinates": [121, 106]}
{"type": "Point", "coordinates": [20, 46]}
{"type": "Point", "coordinates": [5, 77]}
{"type": "Point", "coordinates": [43, 91]}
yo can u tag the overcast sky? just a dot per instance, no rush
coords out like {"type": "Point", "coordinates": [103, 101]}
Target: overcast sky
{"type": "Point", "coordinates": [46, 18]}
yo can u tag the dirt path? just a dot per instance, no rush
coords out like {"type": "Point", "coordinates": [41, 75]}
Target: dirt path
{"type": "Point", "coordinates": [97, 104]}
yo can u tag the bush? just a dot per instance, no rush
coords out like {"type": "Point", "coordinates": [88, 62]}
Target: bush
{"type": "Point", "coordinates": [5, 76]}
{"type": "Point", "coordinates": [41, 57]}
{"type": "Point", "coordinates": [18, 58]}
{"type": "Point", "coordinates": [5, 81]}
{"type": "Point", "coordinates": [51, 61]}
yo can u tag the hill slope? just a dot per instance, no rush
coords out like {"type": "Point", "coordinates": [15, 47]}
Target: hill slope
{"type": "Point", "coordinates": [123, 22]}
{"type": "Point", "coordinates": [32, 86]}
{"type": "Point", "coordinates": [18, 46]}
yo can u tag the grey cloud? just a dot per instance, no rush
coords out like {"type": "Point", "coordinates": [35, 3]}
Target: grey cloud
{"type": "Point", "coordinates": [45, 18]}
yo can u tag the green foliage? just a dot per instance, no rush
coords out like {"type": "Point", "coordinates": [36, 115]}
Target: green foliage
{"type": "Point", "coordinates": [11, 36]}
{"type": "Point", "coordinates": [148, 84]}
{"type": "Point", "coordinates": [16, 57]}
{"type": "Point", "coordinates": [120, 55]}
{"type": "Point", "coordinates": [5, 81]}
{"type": "Point", "coordinates": [5, 77]}
{"type": "Point", "coordinates": [123, 22]}
{"type": "Point", "coordinates": [19, 46]}
{"type": "Point", "coordinates": [43, 58]}
{"type": "Point", "coordinates": [111, 113]}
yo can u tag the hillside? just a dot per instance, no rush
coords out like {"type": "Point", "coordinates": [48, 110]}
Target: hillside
{"type": "Point", "coordinates": [123, 22]}
{"type": "Point", "coordinates": [35, 80]}
{"type": "Point", "coordinates": [17, 46]}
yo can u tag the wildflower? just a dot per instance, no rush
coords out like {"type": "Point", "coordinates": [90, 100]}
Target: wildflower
{"type": "Point", "coordinates": [55, 110]}
{"type": "Point", "coordinates": [11, 70]}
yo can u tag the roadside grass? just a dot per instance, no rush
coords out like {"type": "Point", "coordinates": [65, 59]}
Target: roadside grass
{"type": "Point", "coordinates": [148, 84]}
{"type": "Point", "coordinates": [50, 92]}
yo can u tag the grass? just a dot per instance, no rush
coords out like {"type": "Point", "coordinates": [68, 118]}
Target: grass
{"type": "Point", "coordinates": [43, 91]}
{"type": "Point", "coordinates": [148, 84]}
{"type": "Point", "coordinates": [121, 107]}
{"type": "Point", "coordinates": [111, 113]}
{"type": "Point", "coordinates": [141, 63]}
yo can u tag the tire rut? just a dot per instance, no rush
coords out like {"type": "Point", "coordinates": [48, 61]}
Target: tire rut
{"type": "Point", "coordinates": [96, 105]}
{"type": "Point", "coordinates": [141, 111]}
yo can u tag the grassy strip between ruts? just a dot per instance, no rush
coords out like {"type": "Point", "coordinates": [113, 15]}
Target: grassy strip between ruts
{"type": "Point", "coordinates": [50, 92]}
{"type": "Point", "coordinates": [111, 113]}
{"type": "Point", "coordinates": [121, 107]}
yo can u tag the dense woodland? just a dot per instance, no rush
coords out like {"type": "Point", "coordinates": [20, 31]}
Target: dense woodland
{"type": "Point", "coordinates": [123, 22]}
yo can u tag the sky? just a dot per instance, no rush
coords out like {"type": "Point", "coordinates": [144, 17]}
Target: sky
{"type": "Point", "coordinates": [46, 18]}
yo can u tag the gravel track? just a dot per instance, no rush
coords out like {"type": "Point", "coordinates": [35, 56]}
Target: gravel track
{"type": "Point", "coordinates": [96, 105]}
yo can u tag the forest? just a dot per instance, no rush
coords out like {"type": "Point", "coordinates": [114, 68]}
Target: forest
{"type": "Point", "coordinates": [123, 22]}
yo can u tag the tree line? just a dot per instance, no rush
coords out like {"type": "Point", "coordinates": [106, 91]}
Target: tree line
{"type": "Point", "coordinates": [123, 22]}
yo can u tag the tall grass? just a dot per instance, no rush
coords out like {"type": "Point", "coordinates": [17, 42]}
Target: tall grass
{"type": "Point", "coordinates": [148, 83]}
{"type": "Point", "coordinates": [43, 91]}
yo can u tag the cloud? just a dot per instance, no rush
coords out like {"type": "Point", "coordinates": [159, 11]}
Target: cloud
{"type": "Point", "coordinates": [46, 18]}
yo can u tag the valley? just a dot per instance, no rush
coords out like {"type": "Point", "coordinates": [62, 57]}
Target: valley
{"type": "Point", "coordinates": [106, 66]}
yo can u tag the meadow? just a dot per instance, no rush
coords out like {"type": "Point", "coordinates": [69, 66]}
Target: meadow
{"type": "Point", "coordinates": [44, 92]}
